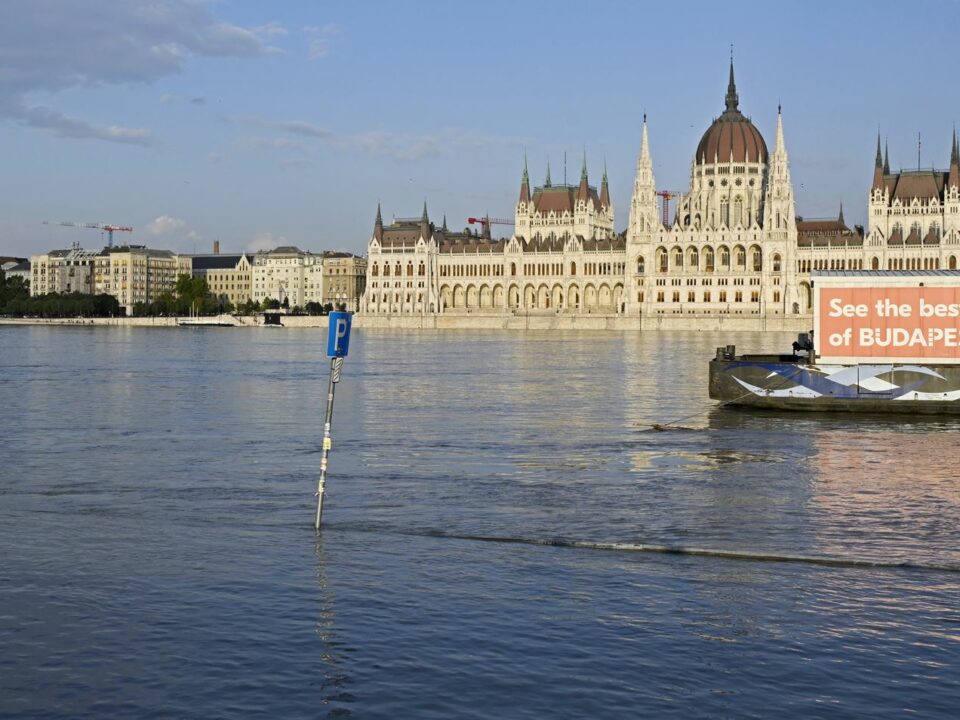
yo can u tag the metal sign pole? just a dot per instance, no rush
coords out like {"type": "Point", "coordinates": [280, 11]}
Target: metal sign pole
{"type": "Point", "coordinates": [335, 365]}
{"type": "Point", "coordinates": [338, 342]}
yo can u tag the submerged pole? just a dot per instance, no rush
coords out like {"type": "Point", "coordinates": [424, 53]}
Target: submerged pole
{"type": "Point", "coordinates": [338, 342]}
{"type": "Point", "coordinates": [335, 365]}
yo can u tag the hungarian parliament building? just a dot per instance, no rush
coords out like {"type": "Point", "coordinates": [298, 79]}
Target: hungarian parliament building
{"type": "Point", "coordinates": [734, 244]}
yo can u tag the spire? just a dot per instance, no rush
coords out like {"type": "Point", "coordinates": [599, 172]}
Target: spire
{"type": "Point", "coordinates": [378, 225]}
{"type": "Point", "coordinates": [546, 182]}
{"type": "Point", "coordinates": [604, 190]}
{"type": "Point", "coordinates": [779, 147]}
{"type": "Point", "coordinates": [444, 222]}
{"type": "Point", "coordinates": [840, 217]}
{"type": "Point", "coordinates": [583, 192]}
{"type": "Point", "coordinates": [954, 178]}
{"type": "Point", "coordinates": [645, 142]}
{"type": "Point", "coordinates": [525, 183]}
{"type": "Point", "coordinates": [732, 100]}
{"type": "Point", "coordinates": [425, 223]}
{"type": "Point", "coordinates": [878, 171]}
{"type": "Point", "coordinates": [886, 158]}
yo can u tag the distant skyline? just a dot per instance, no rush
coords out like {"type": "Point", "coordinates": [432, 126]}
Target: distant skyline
{"type": "Point", "coordinates": [262, 124]}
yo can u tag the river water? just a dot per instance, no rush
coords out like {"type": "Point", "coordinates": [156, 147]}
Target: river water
{"type": "Point", "coordinates": [497, 506]}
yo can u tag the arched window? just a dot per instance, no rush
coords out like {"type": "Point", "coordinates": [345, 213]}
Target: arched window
{"type": "Point", "coordinates": [374, 271]}
{"type": "Point", "coordinates": [513, 268]}
{"type": "Point", "coordinates": [693, 258]}
{"type": "Point", "coordinates": [386, 269]}
{"type": "Point", "coordinates": [678, 258]}
{"type": "Point", "coordinates": [724, 257]}
{"type": "Point", "coordinates": [662, 259]}
{"type": "Point", "coordinates": [573, 268]}
{"type": "Point", "coordinates": [725, 212]}
{"type": "Point", "coordinates": [757, 259]}
{"type": "Point", "coordinates": [875, 264]}
{"type": "Point", "coordinates": [422, 269]}
{"type": "Point", "coordinates": [738, 211]}
{"type": "Point", "coordinates": [935, 230]}
{"type": "Point", "coordinates": [776, 263]}
{"type": "Point", "coordinates": [410, 268]}
{"type": "Point", "coordinates": [708, 259]}
{"type": "Point", "coordinates": [640, 265]}
{"type": "Point", "coordinates": [741, 258]}
{"type": "Point", "coordinates": [953, 262]}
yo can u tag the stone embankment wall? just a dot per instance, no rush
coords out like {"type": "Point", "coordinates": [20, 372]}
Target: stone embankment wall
{"type": "Point", "coordinates": [477, 321]}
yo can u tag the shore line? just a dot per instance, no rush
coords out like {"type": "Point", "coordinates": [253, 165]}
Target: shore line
{"type": "Point", "coordinates": [473, 321]}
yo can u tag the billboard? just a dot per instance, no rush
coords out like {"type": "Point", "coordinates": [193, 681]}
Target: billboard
{"type": "Point", "coordinates": [887, 322]}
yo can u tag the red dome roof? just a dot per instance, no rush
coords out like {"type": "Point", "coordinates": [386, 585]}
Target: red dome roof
{"type": "Point", "coordinates": [731, 136]}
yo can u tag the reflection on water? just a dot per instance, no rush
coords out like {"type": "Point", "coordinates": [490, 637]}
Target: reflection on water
{"type": "Point", "coordinates": [159, 558]}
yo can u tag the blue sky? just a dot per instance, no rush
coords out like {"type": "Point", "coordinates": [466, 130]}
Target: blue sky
{"type": "Point", "coordinates": [262, 123]}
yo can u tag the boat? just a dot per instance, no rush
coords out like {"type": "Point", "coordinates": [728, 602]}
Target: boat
{"type": "Point", "coordinates": [222, 320]}
{"type": "Point", "coordinates": [887, 341]}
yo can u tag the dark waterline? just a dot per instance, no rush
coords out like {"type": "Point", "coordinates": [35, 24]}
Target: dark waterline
{"type": "Point", "coordinates": [505, 537]}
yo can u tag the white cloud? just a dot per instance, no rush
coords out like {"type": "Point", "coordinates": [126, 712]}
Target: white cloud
{"type": "Point", "coordinates": [296, 127]}
{"type": "Point", "coordinates": [72, 127]}
{"type": "Point", "coordinates": [53, 45]}
{"type": "Point", "coordinates": [270, 29]}
{"type": "Point", "coordinates": [318, 44]}
{"type": "Point", "coordinates": [397, 146]}
{"type": "Point", "coordinates": [274, 143]}
{"type": "Point", "coordinates": [265, 241]}
{"type": "Point", "coordinates": [165, 225]}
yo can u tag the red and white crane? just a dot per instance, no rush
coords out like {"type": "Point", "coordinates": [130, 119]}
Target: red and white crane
{"type": "Point", "coordinates": [666, 196]}
{"type": "Point", "coordinates": [489, 221]}
{"type": "Point", "coordinates": [102, 227]}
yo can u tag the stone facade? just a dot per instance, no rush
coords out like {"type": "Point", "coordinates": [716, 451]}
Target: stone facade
{"type": "Point", "coordinates": [228, 276]}
{"type": "Point", "coordinates": [63, 271]}
{"type": "Point", "coordinates": [287, 274]}
{"type": "Point", "coordinates": [734, 246]}
{"type": "Point", "coordinates": [137, 274]}
{"type": "Point", "coordinates": [344, 279]}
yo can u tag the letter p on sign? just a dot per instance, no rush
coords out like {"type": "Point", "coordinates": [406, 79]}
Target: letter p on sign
{"type": "Point", "coordinates": [338, 335]}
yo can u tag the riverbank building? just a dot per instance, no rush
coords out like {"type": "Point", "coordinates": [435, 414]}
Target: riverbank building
{"type": "Point", "coordinates": [733, 246]}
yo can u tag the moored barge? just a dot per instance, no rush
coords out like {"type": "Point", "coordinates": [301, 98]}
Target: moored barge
{"type": "Point", "coordinates": [885, 342]}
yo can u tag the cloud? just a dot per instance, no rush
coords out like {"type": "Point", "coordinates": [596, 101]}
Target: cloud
{"type": "Point", "coordinates": [53, 45]}
{"type": "Point", "coordinates": [71, 127]}
{"type": "Point", "coordinates": [265, 241]}
{"type": "Point", "coordinates": [199, 100]}
{"type": "Point", "coordinates": [319, 36]}
{"type": "Point", "coordinates": [270, 29]}
{"type": "Point", "coordinates": [296, 127]}
{"type": "Point", "coordinates": [274, 143]}
{"type": "Point", "coordinates": [165, 225]}
{"type": "Point", "coordinates": [397, 146]}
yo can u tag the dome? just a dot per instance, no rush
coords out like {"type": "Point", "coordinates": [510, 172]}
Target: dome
{"type": "Point", "coordinates": [731, 135]}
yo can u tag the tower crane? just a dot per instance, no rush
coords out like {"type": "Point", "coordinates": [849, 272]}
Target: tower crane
{"type": "Point", "coordinates": [489, 221]}
{"type": "Point", "coordinates": [666, 196]}
{"type": "Point", "coordinates": [109, 229]}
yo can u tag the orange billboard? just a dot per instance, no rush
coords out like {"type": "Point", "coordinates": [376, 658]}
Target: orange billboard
{"type": "Point", "coordinates": [919, 323]}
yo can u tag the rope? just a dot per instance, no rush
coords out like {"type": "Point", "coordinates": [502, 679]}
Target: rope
{"type": "Point", "coordinates": [663, 427]}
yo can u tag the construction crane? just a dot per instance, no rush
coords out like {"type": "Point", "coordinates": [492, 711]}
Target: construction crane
{"type": "Point", "coordinates": [489, 221]}
{"type": "Point", "coordinates": [666, 196]}
{"type": "Point", "coordinates": [109, 229]}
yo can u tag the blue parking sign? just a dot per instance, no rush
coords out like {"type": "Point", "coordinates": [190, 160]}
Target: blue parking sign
{"type": "Point", "coordinates": [338, 334]}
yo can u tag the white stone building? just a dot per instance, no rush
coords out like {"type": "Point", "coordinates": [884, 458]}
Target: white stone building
{"type": "Point", "coordinates": [63, 271]}
{"type": "Point", "coordinates": [734, 245]}
{"type": "Point", "coordinates": [138, 274]}
{"type": "Point", "coordinates": [287, 274]}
